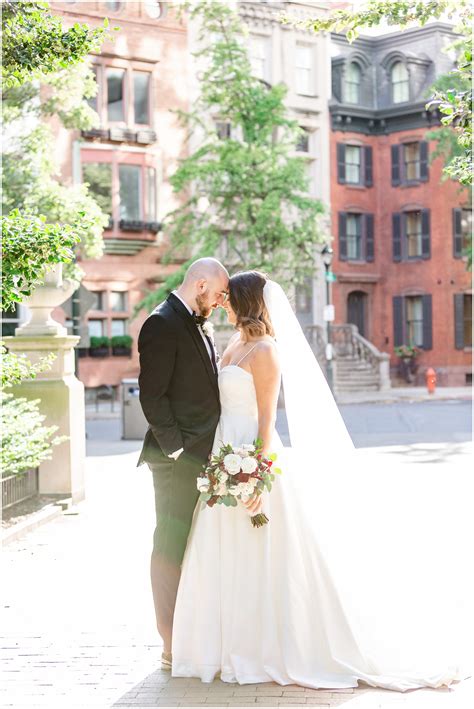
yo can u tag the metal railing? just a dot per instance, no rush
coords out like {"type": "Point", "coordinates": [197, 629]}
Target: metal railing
{"type": "Point", "coordinates": [19, 487]}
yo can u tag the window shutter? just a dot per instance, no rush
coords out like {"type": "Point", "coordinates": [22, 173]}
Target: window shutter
{"type": "Point", "coordinates": [424, 167]}
{"type": "Point", "coordinates": [427, 323]}
{"type": "Point", "coordinates": [368, 165]}
{"type": "Point", "coordinates": [396, 236]}
{"type": "Point", "coordinates": [457, 233]}
{"type": "Point", "coordinates": [369, 237]}
{"type": "Point", "coordinates": [425, 234]}
{"type": "Point", "coordinates": [341, 163]}
{"type": "Point", "coordinates": [395, 165]}
{"type": "Point", "coordinates": [459, 321]}
{"type": "Point", "coordinates": [342, 237]}
{"type": "Point", "coordinates": [398, 320]}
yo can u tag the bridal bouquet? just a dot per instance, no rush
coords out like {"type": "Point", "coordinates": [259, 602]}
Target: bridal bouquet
{"type": "Point", "coordinates": [237, 473]}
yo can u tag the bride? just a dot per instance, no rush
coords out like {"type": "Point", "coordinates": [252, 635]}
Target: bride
{"type": "Point", "coordinates": [344, 584]}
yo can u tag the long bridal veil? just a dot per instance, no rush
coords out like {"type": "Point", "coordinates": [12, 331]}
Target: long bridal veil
{"type": "Point", "coordinates": [395, 536]}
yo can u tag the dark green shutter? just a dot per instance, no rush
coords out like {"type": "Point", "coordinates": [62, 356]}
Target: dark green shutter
{"type": "Point", "coordinates": [427, 323]}
{"type": "Point", "coordinates": [424, 167]}
{"type": "Point", "coordinates": [395, 150]}
{"type": "Point", "coordinates": [368, 179]}
{"type": "Point", "coordinates": [425, 234]}
{"type": "Point", "coordinates": [342, 237]}
{"type": "Point", "coordinates": [398, 320]}
{"type": "Point", "coordinates": [459, 321]}
{"type": "Point", "coordinates": [341, 163]}
{"type": "Point", "coordinates": [396, 236]}
{"type": "Point", "coordinates": [457, 232]}
{"type": "Point", "coordinates": [369, 237]}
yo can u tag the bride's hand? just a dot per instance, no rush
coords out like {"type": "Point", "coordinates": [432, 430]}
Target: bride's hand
{"type": "Point", "coordinates": [254, 505]}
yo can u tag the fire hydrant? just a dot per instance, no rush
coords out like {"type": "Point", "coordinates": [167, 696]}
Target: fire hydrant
{"type": "Point", "coordinates": [430, 376]}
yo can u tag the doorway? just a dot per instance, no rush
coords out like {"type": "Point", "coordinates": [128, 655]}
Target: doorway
{"type": "Point", "coordinates": [357, 311]}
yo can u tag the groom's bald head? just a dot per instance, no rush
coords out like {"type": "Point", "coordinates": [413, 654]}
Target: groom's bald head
{"type": "Point", "coordinates": [205, 284]}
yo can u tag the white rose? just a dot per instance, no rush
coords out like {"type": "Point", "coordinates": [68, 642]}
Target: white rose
{"type": "Point", "coordinates": [203, 484]}
{"type": "Point", "coordinates": [248, 447]}
{"type": "Point", "coordinates": [223, 477]}
{"type": "Point", "coordinates": [241, 451]}
{"type": "Point", "coordinates": [232, 463]}
{"type": "Point", "coordinates": [249, 465]}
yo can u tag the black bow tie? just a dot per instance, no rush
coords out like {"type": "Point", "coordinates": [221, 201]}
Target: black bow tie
{"type": "Point", "coordinates": [199, 319]}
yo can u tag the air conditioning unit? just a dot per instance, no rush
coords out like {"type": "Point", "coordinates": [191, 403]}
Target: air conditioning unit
{"type": "Point", "coordinates": [146, 137]}
{"type": "Point", "coordinates": [117, 134]}
{"type": "Point", "coordinates": [95, 133]}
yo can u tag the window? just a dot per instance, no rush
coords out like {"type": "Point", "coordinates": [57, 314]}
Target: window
{"type": "Point", "coordinates": [411, 159]}
{"type": "Point", "coordinates": [151, 207]}
{"type": "Point", "coordinates": [354, 164]}
{"type": "Point", "coordinates": [223, 129]}
{"type": "Point", "coordinates": [400, 83]}
{"type": "Point", "coordinates": [98, 303]}
{"type": "Point", "coordinates": [352, 83]}
{"type": "Point", "coordinates": [356, 237]}
{"type": "Point", "coordinates": [258, 57]}
{"type": "Point", "coordinates": [115, 94]}
{"type": "Point", "coordinates": [154, 9]}
{"type": "Point", "coordinates": [96, 328]}
{"type": "Point", "coordinates": [463, 320]}
{"type": "Point", "coordinates": [10, 321]}
{"type": "Point", "coordinates": [353, 160]}
{"type": "Point", "coordinates": [141, 92]}
{"type": "Point", "coordinates": [304, 69]}
{"type": "Point", "coordinates": [414, 321]}
{"type": "Point", "coordinates": [413, 234]}
{"type": "Point", "coordinates": [302, 146]}
{"type": "Point", "coordinates": [93, 100]}
{"type": "Point", "coordinates": [118, 301]}
{"type": "Point", "coordinates": [462, 231]}
{"type": "Point", "coordinates": [114, 6]}
{"type": "Point", "coordinates": [118, 327]}
{"type": "Point", "coordinates": [353, 235]}
{"type": "Point", "coordinates": [410, 162]}
{"type": "Point", "coordinates": [130, 193]}
{"type": "Point", "coordinates": [98, 175]}
{"type": "Point", "coordinates": [304, 297]}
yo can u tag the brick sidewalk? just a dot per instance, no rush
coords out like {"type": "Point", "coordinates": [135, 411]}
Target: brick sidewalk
{"type": "Point", "coordinates": [77, 624]}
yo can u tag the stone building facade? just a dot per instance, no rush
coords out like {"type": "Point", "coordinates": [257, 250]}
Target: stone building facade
{"type": "Point", "coordinates": [400, 231]}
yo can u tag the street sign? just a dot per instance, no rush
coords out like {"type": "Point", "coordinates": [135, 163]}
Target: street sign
{"type": "Point", "coordinates": [331, 277]}
{"type": "Point", "coordinates": [329, 313]}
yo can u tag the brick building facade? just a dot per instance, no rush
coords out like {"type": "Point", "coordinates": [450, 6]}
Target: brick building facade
{"type": "Point", "coordinates": [127, 161]}
{"type": "Point", "coordinates": [400, 231]}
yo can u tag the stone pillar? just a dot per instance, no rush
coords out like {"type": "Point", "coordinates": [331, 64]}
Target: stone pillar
{"type": "Point", "coordinates": [384, 372]}
{"type": "Point", "coordinates": [60, 393]}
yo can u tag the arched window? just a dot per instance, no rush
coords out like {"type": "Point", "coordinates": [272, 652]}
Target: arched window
{"type": "Point", "coordinates": [353, 79]}
{"type": "Point", "coordinates": [400, 83]}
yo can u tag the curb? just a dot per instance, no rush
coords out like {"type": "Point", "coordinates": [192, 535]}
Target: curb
{"type": "Point", "coordinates": [36, 519]}
{"type": "Point", "coordinates": [397, 399]}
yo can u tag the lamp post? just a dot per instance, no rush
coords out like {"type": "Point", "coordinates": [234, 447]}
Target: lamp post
{"type": "Point", "coordinates": [327, 255]}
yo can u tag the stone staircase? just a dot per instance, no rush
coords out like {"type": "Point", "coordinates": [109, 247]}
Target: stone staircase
{"type": "Point", "coordinates": [357, 365]}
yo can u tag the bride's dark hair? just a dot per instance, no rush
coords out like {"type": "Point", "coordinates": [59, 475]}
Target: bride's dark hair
{"type": "Point", "coordinates": [246, 299]}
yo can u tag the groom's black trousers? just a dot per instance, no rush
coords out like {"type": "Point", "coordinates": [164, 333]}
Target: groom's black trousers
{"type": "Point", "coordinates": [176, 495]}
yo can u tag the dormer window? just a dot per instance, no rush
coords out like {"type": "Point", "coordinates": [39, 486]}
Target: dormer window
{"type": "Point", "coordinates": [353, 80]}
{"type": "Point", "coordinates": [400, 83]}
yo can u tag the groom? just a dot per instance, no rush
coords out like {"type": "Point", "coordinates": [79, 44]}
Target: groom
{"type": "Point", "coordinates": [180, 399]}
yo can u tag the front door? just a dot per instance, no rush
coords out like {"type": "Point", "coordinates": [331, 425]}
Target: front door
{"type": "Point", "coordinates": [356, 310]}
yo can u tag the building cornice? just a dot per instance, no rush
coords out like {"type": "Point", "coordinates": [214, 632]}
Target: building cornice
{"type": "Point", "coordinates": [395, 39]}
{"type": "Point", "coordinates": [347, 117]}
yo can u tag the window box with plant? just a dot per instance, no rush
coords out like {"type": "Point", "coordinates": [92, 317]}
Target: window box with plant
{"type": "Point", "coordinates": [122, 345]}
{"type": "Point", "coordinates": [99, 347]}
{"type": "Point", "coordinates": [408, 364]}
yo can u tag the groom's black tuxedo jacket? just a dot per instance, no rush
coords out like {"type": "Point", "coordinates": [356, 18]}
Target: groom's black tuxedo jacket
{"type": "Point", "coordinates": [178, 386]}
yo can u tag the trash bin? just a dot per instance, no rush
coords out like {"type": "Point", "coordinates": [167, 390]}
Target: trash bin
{"type": "Point", "coordinates": [134, 423]}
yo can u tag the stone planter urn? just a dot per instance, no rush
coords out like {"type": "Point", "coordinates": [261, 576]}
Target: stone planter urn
{"type": "Point", "coordinates": [45, 298]}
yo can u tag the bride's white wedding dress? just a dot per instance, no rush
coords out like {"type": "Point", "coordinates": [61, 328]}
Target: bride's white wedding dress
{"type": "Point", "coordinates": [260, 605]}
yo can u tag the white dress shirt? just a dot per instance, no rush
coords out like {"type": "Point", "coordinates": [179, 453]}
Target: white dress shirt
{"type": "Point", "coordinates": [190, 311]}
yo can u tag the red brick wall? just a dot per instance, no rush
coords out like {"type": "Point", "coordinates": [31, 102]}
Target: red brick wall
{"type": "Point", "coordinates": [442, 275]}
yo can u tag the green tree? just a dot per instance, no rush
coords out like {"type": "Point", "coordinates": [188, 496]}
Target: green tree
{"type": "Point", "coordinates": [34, 42]}
{"type": "Point", "coordinates": [246, 194]}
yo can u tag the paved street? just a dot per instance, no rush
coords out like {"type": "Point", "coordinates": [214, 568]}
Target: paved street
{"type": "Point", "coordinates": [77, 619]}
